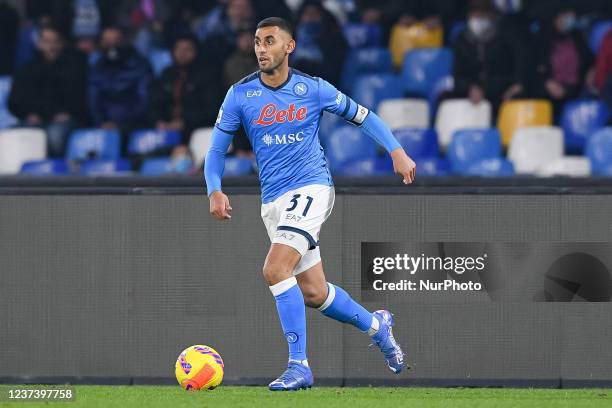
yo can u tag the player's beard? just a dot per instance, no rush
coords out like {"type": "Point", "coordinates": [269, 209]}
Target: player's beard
{"type": "Point", "coordinates": [270, 69]}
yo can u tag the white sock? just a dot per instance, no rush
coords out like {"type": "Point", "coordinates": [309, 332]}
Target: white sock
{"type": "Point", "coordinates": [302, 362]}
{"type": "Point", "coordinates": [374, 327]}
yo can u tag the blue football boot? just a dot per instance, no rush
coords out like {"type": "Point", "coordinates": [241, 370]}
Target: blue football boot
{"type": "Point", "coordinates": [296, 377]}
{"type": "Point", "coordinates": [386, 342]}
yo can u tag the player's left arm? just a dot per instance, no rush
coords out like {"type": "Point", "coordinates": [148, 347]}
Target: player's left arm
{"type": "Point", "coordinates": [338, 103]}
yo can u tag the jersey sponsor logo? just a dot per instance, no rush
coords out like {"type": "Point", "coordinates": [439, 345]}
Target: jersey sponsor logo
{"type": "Point", "coordinates": [338, 98]}
{"type": "Point", "coordinates": [219, 116]}
{"type": "Point", "coordinates": [270, 114]}
{"type": "Point", "coordinates": [285, 138]}
{"type": "Point", "coordinates": [253, 92]}
{"type": "Point", "coordinates": [300, 89]}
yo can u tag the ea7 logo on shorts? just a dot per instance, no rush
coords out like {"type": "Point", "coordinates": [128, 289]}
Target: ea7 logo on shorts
{"type": "Point", "coordinates": [253, 92]}
{"type": "Point", "coordinates": [284, 234]}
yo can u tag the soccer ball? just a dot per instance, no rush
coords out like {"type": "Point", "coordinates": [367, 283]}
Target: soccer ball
{"type": "Point", "coordinates": [199, 368]}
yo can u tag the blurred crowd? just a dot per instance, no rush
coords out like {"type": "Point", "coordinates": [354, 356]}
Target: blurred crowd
{"type": "Point", "coordinates": [100, 63]}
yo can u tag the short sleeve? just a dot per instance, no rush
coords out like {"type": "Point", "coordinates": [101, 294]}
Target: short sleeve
{"type": "Point", "coordinates": [228, 119]}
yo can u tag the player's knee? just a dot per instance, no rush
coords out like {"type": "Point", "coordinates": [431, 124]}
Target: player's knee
{"type": "Point", "coordinates": [314, 296]}
{"type": "Point", "coordinates": [276, 272]}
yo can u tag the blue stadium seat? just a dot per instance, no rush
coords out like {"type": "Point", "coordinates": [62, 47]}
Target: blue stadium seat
{"type": "Point", "coordinates": [370, 89]}
{"type": "Point", "coordinates": [597, 34]}
{"type": "Point", "coordinates": [87, 144]}
{"type": "Point", "coordinates": [422, 68]}
{"type": "Point", "coordinates": [418, 142]}
{"type": "Point", "coordinates": [238, 166]}
{"type": "Point", "coordinates": [104, 167]}
{"type": "Point", "coordinates": [471, 145]}
{"type": "Point", "coordinates": [6, 118]}
{"type": "Point", "coordinates": [373, 60]}
{"type": "Point", "coordinates": [432, 166]}
{"type": "Point", "coordinates": [444, 84]}
{"type": "Point", "coordinates": [494, 167]}
{"type": "Point", "coordinates": [599, 151]}
{"type": "Point", "coordinates": [156, 166]}
{"type": "Point", "coordinates": [360, 35]}
{"type": "Point", "coordinates": [150, 140]}
{"type": "Point", "coordinates": [581, 118]}
{"type": "Point", "coordinates": [159, 59]}
{"type": "Point", "coordinates": [45, 167]}
{"type": "Point", "coordinates": [348, 143]}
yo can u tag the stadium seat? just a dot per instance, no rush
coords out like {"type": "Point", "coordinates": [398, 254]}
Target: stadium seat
{"type": "Point", "coordinates": [581, 118]}
{"type": "Point", "coordinates": [45, 167]}
{"type": "Point", "coordinates": [418, 142]}
{"type": "Point", "coordinates": [432, 166]}
{"type": "Point", "coordinates": [156, 166]}
{"type": "Point", "coordinates": [398, 113]}
{"type": "Point", "coordinates": [159, 59]}
{"type": "Point", "coordinates": [422, 69]}
{"type": "Point", "coordinates": [599, 151]}
{"type": "Point", "coordinates": [238, 166]}
{"type": "Point", "coordinates": [6, 118]}
{"type": "Point", "coordinates": [94, 144]}
{"type": "Point", "coordinates": [403, 39]}
{"type": "Point", "coordinates": [597, 34]}
{"type": "Point", "coordinates": [444, 84]}
{"type": "Point", "coordinates": [151, 140]}
{"type": "Point", "coordinates": [570, 166]}
{"type": "Point", "coordinates": [373, 60]}
{"type": "Point", "coordinates": [104, 167]}
{"type": "Point", "coordinates": [371, 89]}
{"type": "Point", "coordinates": [533, 147]}
{"type": "Point", "coordinates": [20, 145]}
{"type": "Point", "coordinates": [360, 35]}
{"type": "Point", "coordinates": [493, 167]}
{"type": "Point", "coordinates": [348, 143]}
{"type": "Point", "coordinates": [199, 143]}
{"type": "Point", "coordinates": [457, 114]}
{"type": "Point", "coordinates": [365, 167]}
{"type": "Point", "coordinates": [520, 113]}
{"type": "Point", "coordinates": [471, 145]}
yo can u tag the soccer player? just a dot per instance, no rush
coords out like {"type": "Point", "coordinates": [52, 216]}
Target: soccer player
{"type": "Point", "coordinates": [280, 109]}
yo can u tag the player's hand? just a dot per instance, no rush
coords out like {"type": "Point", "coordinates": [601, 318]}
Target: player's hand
{"type": "Point", "coordinates": [403, 165]}
{"type": "Point", "coordinates": [220, 206]}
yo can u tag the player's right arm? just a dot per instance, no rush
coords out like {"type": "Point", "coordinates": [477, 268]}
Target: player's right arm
{"type": "Point", "coordinates": [228, 122]}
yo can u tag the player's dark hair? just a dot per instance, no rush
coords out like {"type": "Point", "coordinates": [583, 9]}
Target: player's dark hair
{"type": "Point", "coordinates": [276, 22]}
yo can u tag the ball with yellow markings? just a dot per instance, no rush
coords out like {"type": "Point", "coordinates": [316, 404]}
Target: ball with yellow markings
{"type": "Point", "coordinates": [199, 368]}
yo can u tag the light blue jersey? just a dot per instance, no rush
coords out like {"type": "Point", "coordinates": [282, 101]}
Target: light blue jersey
{"type": "Point", "coordinates": [282, 125]}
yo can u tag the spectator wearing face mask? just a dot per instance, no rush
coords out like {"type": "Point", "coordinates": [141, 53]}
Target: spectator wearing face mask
{"type": "Point", "coordinates": [49, 91]}
{"type": "Point", "coordinates": [490, 63]}
{"type": "Point", "coordinates": [321, 46]}
{"type": "Point", "coordinates": [119, 84]}
{"type": "Point", "coordinates": [184, 97]}
{"type": "Point", "coordinates": [562, 60]}
{"type": "Point", "coordinates": [603, 71]}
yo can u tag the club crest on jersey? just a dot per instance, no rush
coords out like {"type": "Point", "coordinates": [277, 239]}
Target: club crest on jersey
{"type": "Point", "coordinates": [300, 89]}
{"type": "Point", "coordinates": [270, 114]}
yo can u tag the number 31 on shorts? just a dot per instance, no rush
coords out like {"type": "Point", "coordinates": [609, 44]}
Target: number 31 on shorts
{"type": "Point", "coordinates": [294, 204]}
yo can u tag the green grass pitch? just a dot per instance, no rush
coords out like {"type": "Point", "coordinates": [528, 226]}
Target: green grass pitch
{"type": "Point", "coordinates": [327, 397]}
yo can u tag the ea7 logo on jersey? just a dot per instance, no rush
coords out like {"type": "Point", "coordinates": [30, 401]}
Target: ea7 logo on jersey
{"type": "Point", "coordinates": [270, 114]}
{"type": "Point", "coordinates": [253, 92]}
